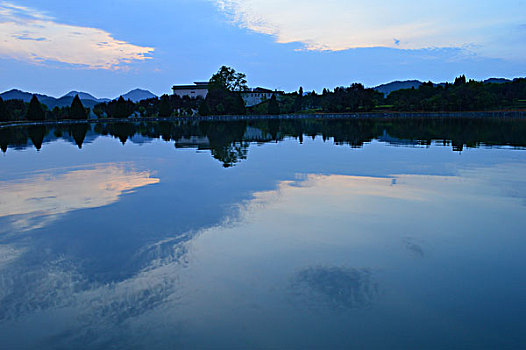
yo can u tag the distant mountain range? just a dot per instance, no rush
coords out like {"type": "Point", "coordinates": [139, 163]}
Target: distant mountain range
{"type": "Point", "coordinates": [386, 89]}
{"type": "Point", "coordinates": [87, 99]}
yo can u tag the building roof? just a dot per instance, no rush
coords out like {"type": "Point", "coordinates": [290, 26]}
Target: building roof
{"type": "Point", "coordinates": [198, 85]}
{"type": "Point", "coordinates": [203, 85]}
{"type": "Point", "coordinates": [262, 90]}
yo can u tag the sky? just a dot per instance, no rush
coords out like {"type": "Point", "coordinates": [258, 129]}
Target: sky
{"type": "Point", "coordinates": [108, 47]}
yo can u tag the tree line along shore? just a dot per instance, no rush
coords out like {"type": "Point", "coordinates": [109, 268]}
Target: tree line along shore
{"type": "Point", "coordinates": [224, 98]}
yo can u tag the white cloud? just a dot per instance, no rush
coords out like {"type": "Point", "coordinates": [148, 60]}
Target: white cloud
{"type": "Point", "coordinates": [335, 25]}
{"type": "Point", "coordinates": [31, 35]}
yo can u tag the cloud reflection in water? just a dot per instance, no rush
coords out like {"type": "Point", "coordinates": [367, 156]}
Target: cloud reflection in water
{"type": "Point", "coordinates": [340, 287]}
{"type": "Point", "coordinates": [36, 200]}
{"type": "Point", "coordinates": [323, 225]}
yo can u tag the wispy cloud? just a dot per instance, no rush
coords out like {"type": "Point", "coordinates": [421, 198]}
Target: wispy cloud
{"type": "Point", "coordinates": [32, 35]}
{"type": "Point", "coordinates": [343, 24]}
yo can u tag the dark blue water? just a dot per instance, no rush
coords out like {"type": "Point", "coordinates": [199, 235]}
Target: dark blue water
{"type": "Point", "coordinates": [266, 234]}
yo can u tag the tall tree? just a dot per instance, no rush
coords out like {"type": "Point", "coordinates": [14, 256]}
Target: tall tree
{"type": "Point", "coordinates": [165, 109]}
{"type": "Point", "coordinates": [203, 109]}
{"type": "Point", "coordinates": [461, 80]}
{"type": "Point", "coordinates": [224, 92]}
{"type": "Point", "coordinates": [273, 107]}
{"type": "Point", "coordinates": [122, 108]}
{"type": "Point", "coordinates": [4, 114]}
{"type": "Point", "coordinates": [77, 110]}
{"type": "Point", "coordinates": [35, 110]}
{"type": "Point", "coordinates": [298, 102]}
{"type": "Point", "coordinates": [227, 78]}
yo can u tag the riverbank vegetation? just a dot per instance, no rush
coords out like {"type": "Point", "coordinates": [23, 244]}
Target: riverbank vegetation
{"type": "Point", "coordinates": [227, 85]}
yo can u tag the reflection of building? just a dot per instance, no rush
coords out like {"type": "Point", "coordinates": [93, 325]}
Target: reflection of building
{"type": "Point", "coordinates": [256, 135]}
{"type": "Point", "coordinates": [199, 142]}
{"type": "Point", "coordinates": [250, 134]}
{"type": "Point", "coordinates": [251, 97]}
{"type": "Point", "coordinates": [199, 89]}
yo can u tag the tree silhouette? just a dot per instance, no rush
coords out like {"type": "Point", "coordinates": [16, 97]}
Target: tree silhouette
{"type": "Point", "coordinates": [298, 102]}
{"type": "Point", "coordinates": [224, 93]}
{"type": "Point", "coordinates": [122, 109]}
{"type": "Point", "coordinates": [4, 113]}
{"type": "Point", "coordinates": [35, 111]}
{"type": "Point", "coordinates": [165, 109]}
{"type": "Point", "coordinates": [77, 110]}
{"type": "Point", "coordinates": [221, 102]}
{"type": "Point", "coordinates": [273, 107]}
{"type": "Point", "coordinates": [462, 95]}
{"type": "Point", "coordinates": [227, 78]}
{"type": "Point", "coordinates": [203, 109]}
{"type": "Point", "coordinates": [461, 80]}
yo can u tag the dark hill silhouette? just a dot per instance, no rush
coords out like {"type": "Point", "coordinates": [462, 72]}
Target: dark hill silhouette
{"type": "Point", "coordinates": [87, 99]}
{"type": "Point", "coordinates": [16, 94]}
{"type": "Point", "coordinates": [138, 95]}
{"type": "Point", "coordinates": [85, 96]}
{"type": "Point", "coordinates": [386, 89]}
{"type": "Point", "coordinates": [49, 101]}
{"type": "Point", "coordinates": [496, 81]}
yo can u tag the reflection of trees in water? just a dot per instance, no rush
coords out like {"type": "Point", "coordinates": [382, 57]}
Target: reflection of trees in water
{"type": "Point", "coordinates": [229, 155]}
{"type": "Point", "coordinates": [340, 287]}
{"type": "Point", "coordinates": [228, 140]}
{"type": "Point", "coordinates": [121, 130]}
{"type": "Point", "coordinates": [37, 133]}
{"type": "Point", "coordinates": [22, 137]}
{"type": "Point", "coordinates": [78, 132]}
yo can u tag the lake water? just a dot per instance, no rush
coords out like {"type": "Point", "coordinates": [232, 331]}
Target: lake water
{"type": "Point", "coordinates": [370, 233]}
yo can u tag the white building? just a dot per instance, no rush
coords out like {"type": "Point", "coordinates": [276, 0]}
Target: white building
{"type": "Point", "coordinates": [255, 96]}
{"type": "Point", "coordinates": [199, 89]}
{"type": "Point", "coordinates": [251, 97]}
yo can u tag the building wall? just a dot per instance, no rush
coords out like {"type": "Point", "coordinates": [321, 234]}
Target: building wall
{"type": "Point", "coordinates": [250, 98]}
{"type": "Point", "coordinates": [254, 98]}
{"type": "Point", "coordinates": [191, 92]}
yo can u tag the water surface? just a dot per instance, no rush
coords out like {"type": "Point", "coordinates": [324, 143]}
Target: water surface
{"type": "Point", "coordinates": [384, 233]}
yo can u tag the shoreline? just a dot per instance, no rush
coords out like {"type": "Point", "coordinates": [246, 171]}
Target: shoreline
{"type": "Point", "coordinates": [482, 114]}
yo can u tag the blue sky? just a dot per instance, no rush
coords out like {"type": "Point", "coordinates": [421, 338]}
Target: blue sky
{"type": "Point", "coordinates": [109, 47]}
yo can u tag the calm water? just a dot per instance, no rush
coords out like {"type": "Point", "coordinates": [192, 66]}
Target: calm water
{"type": "Point", "coordinates": [362, 233]}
